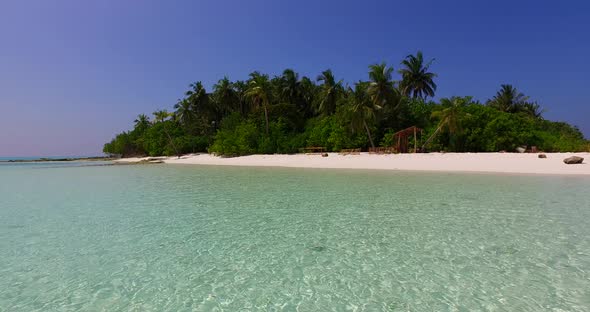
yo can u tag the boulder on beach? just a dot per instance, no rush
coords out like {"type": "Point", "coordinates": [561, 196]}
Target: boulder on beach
{"type": "Point", "coordinates": [324, 154]}
{"type": "Point", "coordinates": [542, 156]}
{"type": "Point", "coordinates": [573, 160]}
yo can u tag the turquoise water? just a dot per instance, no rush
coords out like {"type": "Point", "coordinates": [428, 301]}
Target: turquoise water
{"type": "Point", "coordinates": [192, 238]}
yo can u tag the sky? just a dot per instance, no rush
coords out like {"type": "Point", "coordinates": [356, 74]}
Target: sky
{"type": "Point", "coordinates": [75, 73]}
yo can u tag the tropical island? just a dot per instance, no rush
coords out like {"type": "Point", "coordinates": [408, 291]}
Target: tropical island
{"type": "Point", "coordinates": [287, 114]}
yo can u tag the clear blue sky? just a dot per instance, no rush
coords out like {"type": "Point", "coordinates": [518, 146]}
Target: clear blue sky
{"type": "Point", "coordinates": [74, 73]}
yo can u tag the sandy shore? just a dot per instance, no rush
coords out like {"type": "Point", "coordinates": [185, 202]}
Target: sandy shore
{"type": "Point", "coordinates": [450, 162]}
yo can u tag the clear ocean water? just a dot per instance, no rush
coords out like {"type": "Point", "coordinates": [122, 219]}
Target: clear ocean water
{"type": "Point", "coordinates": [196, 238]}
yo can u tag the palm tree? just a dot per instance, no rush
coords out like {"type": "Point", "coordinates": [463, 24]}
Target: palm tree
{"type": "Point", "coordinates": [198, 98]}
{"type": "Point", "coordinates": [450, 116]}
{"type": "Point", "coordinates": [290, 87]}
{"type": "Point", "coordinates": [330, 92]}
{"type": "Point", "coordinates": [259, 92]}
{"type": "Point", "coordinates": [241, 87]}
{"type": "Point", "coordinates": [507, 99]}
{"type": "Point", "coordinates": [307, 94]}
{"type": "Point", "coordinates": [417, 81]}
{"type": "Point", "coordinates": [532, 109]}
{"type": "Point", "coordinates": [362, 108]}
{"type": "Point", "coordinates": [202, 106]}
{"type": "Point", "coordinates": [184, 113]}
{"type": "Point", "coordinates": [381, 89]}
{"type": "Point", "coordinates": [142, 121]}
{"type": "Point", "coordinates": [161, 115]}
{"type": "Point", "coordinates": [225, 96]}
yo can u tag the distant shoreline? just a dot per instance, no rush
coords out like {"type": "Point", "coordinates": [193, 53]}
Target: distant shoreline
{"type": "Point", "coordinates": [526, 163]}
{"type": "Point", "coordinates": [49, 159]}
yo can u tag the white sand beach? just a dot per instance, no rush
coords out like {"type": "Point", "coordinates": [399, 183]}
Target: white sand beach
{"type": "Point", "coordinates": [449, 162]}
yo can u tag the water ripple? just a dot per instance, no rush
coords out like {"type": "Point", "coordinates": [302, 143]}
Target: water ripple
{"type": "Point", "coordinates": [175, 238]}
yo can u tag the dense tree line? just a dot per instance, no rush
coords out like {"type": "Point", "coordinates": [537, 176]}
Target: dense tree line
{"type": "Point", "coordinates": [284, 113]}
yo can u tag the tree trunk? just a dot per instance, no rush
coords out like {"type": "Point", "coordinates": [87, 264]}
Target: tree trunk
{"type": "Point", "coordinates": [171, 141]}
{"type": "Point", "coordinates": [368, 134]}
{"type": "Point", "coordinates": [434, 134]}
{"type": "Point", "coordinates": [266, 118]}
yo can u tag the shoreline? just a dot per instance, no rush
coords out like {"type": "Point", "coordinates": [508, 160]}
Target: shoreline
{"type": "Point", "coordinates": [65, 159]}
{"type": "Point", "coordinates": [511, 163]}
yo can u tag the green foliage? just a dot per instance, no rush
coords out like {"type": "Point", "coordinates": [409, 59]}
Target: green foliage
{"type": "Point", "coordinates": [387, 139]}
{"type": "Point", "coordinates": [288, 114]}
{"type": "Point", "coordinates": [490, 130]}
{"type": "Point", "coordinates": [331, 133]}
{"type": "Point", "coordinates": [161, 138]}
{"type": "Point", "coordinates": [561, 137]}
{"type": "Point", "coordinates": [236, 139]}
{"type": "Point", "coordinates": [124, 145]}
{"type": "Point", "coordinates": [507, 132]}
{"type": "Point", "coordinates": [191, 144]}
{"type": "Point", "coordinates": [239, 136]}
{"type": "Point", "coordinates": [285, 113]}
{"type": "Point", "coordinates": [280, 140]}
{"type": "Point", "coordinates": [158, 139]}
{"type": "Point", "coordinates": [417, 113]}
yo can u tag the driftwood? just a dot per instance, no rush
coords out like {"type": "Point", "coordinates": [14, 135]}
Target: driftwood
{"type": "Point", "coordinates": [382, 150]}
{"type": "Point", "coordinates": [353, 151]}
{"type": "Point", "coordinates": [313, 150]}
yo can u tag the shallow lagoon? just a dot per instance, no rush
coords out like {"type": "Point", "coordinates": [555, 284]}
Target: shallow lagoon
{"type": "Point", "coordinates": [205, 238]}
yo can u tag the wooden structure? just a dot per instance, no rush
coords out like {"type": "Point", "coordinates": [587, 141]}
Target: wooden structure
{"type": "Point", "coordinates": [401, 141]}
{"type": "Point", "coordinates": [312, 150]}
{"type": "Point", "coordinates": [354, 151]}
